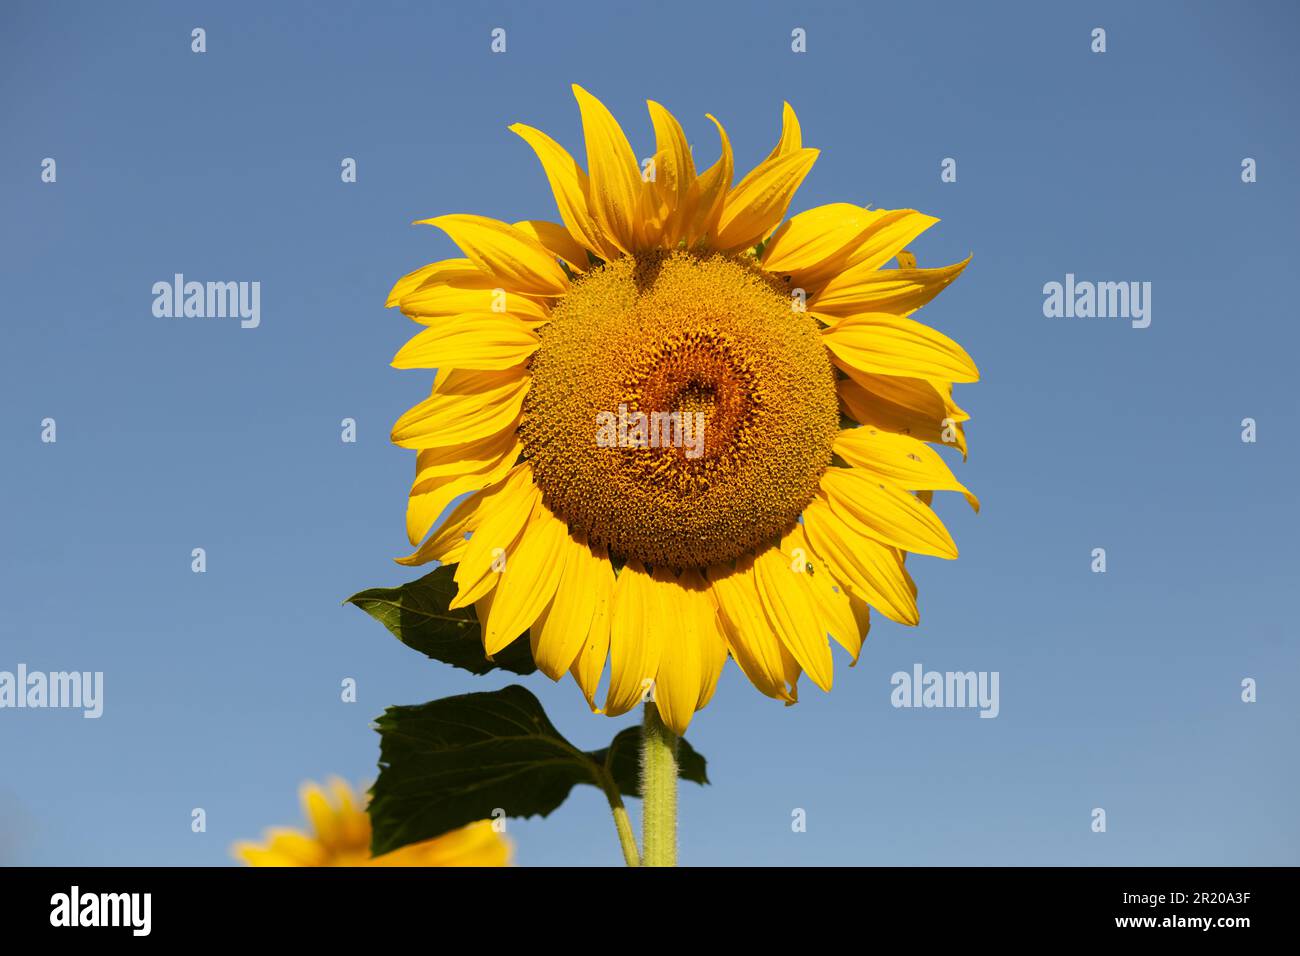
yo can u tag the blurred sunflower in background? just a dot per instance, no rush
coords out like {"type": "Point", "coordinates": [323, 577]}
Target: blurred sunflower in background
{"type": "Point", "coordinates": [792, 396]}
{"type": "Point", "coordinates": [340, 836]}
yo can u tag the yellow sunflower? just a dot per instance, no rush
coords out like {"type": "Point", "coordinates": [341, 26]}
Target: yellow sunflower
{"type": "Point", "coordinates": [340, 836]}
{"type": "Point", "coordinates": [690, 429]}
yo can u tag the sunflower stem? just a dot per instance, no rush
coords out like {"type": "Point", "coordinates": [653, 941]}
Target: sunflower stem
{"type": "Point", "coordinates": [623, 824]}
{"type": "Point", "coordinates": [659, 789]}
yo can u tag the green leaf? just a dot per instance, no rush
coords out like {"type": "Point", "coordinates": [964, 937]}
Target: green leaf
{"type": "Point", "coordinates": [417, 615]}
{"type": "Point", "coordinates": [449, 762]}
{"type": "Point", "coordinates": [622, 758]}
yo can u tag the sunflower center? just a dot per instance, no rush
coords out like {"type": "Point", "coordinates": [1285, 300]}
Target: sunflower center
{"type": "Point", "coordinates": [681, 412]}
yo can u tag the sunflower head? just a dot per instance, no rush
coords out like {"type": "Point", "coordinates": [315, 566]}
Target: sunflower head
{"type": "Point", "coordinates": [339, 835]}
{"type": "Point", "coordinates": [689, 427]}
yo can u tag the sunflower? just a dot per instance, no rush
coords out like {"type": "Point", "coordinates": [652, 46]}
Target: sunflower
{"type": "Point", "coordinates": [688, 427]}
{"type": "Point", "coordinates": [340, 836]}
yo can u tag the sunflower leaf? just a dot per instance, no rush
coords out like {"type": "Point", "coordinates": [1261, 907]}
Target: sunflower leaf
{"type": "Point", "coordinates": [417, 615]}
{"type": "Point", "coordinates": [447, 763]}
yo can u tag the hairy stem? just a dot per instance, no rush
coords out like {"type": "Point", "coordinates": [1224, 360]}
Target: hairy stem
{"type": "Point", "coordinates": [659, 788]}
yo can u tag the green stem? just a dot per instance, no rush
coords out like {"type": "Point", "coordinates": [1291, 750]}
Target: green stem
{"type": "Point", "coordinates": [622, 823]}
{"type": "Point", "coordinates": [659, 788]}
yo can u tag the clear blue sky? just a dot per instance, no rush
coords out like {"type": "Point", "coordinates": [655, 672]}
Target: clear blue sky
{"type": "Point", "coordinates": [1118, 690]}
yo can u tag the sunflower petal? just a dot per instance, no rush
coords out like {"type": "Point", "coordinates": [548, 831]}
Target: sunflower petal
{"type": "Point", "coordinates": [792, 611]}
{"type": "Point", "coordinates": [871, 570]}
{"type": "Point", "coordinates": [444, 269]}
{"type": "Point", "coordinates": [318, 811]}
{"type": "Point", "coordinates": [449, 543]}
{"type": "Point", "coordinates": [899, 291]}
{"type": "Point", "coordinates": [886, 512]}
{"type": "Point", "coordinates": [636, 634]}
{"type": "Point", "coordinates": [758, 204]}
{"type": "Point", "coordinates": [570, 185]}
{"type": "Point", "coordinates": [480, 341]}
{"type": "Point", "coordinates": [703, 606]}
{"type": "Point", "coordinates": [892, 345]}
{"type": "Point", "coordinates": [432, 493]}
{"type": "Point", "coordinates": [710, 192]}
{"type": "Point", "coordinates": [466, 406]}
{"type": "Point", "coordinates": [791, 134]}
{"type": "Point", "coordinates": [474, 292]}
{"type": "Point", "coordinates": [834, 607]}
{"type": "Point", "coordinates": [493, 541]}
{"type": "Point", "coordinates": [590, 662]}
{"type": "Point", "coordinates": [681, 665]}
{"type": "Point", "coordinates": [614, 192]}
{"type": "Point", "coordinates": [908, 406]}
{"type": "Point", "coordinates": [815, 239]}
{"type": "Point", "coordinates": [557, 240]}
{"type": "Point", "coordinates": [674, 174]}
{"type": "Point", "coordinates": [560, 632]}
{"type": "Point", "coordinates": [747, 632]}
{"type": "Point", "coordinates": [899, 459]}
{"type": "Point", "coordinates": [532, 573]}
{"type": "Point", "coordinates": [521, 263]}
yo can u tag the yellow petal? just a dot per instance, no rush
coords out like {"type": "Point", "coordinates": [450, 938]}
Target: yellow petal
{"type": "Point", "coordinates": [297, 847]}
{"type": "Point", "coordinates": [674, 174]}
{"type": "Point", "coordinates": [812, 242]}
{"type": "Point", "coordinates": [493, 542]}
{"type": "Point", "coordinates": [792, 611]}
{"type": "Point", "coordinates": [433, 493]}
{"type": "Point", "coordinates": [871, 570]}
{"type": "Point", "coordinates": [477, 292]}
{"type": "Point", "coordinates": [354, 824]}
{"type": "Point", "coordinates": [434, 271]}
{"type": "Point", "coordinates": [590, 662]}
{"type": "Point", "coordinates": [464, 406]}
{"type": "Point", "coordinates": [791, 135]}
{"type": "Point", "coordinates": [520, 262]}
{"type": "Point", "coordinates": [564, 626]}
{"type": "Point", "coordinates": [886, 512]}
{"type": "Point", "coordinates": [834, 607]}
{"type": "Point", "coordinates": [681, 665]}
{"type": "Point", "coordinates": [899, 459]}
{"type": "Point", "coordinates": [557, 240]}
{"type": "Point", "coordinates": [482, 341]}
{"type": "Point", "coordinates": [636, 636]}
{"type": "Point", "coordinates": [702, 606]}
{"type": "Point", "coordinates": [757, 205]}
{"type": "Point", "coordinates": [533, 569]}
{"type": "Point", "coordinates": [861, 616]}
{"type": "Point", "coordinates": [892, 345]}
{"type": "Point", "coordinates": [908, 406]}
{"type": "Point", "coordinates": [614, 192]}
{"type": "Point", "coordinates": [316, 808]}
{"type": "Point", "coordinates": [746, 630]}
{"type": "Point", "coordinates": [710, 193]}
{"type": "Point", "coordinates": [886, 238]}
{"type": "Point", "coordinates": [448, 544]}
{"type": "Point", "coordinates": [476, 845]}
{"type": "Point", "coordinates": [570, 185]}
{"type": "Point", "coordinates": [900, 291]}
{"type": "Point", "coordinates": [435, 463]}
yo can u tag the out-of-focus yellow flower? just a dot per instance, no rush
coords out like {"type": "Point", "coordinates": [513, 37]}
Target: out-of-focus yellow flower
{"type": "Point", "coordinates": [340, 836]}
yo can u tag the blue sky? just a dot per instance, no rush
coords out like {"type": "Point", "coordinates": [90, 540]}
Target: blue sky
{"type": "Point", "coordinates": [1118, 690]}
